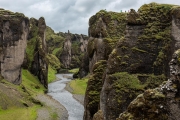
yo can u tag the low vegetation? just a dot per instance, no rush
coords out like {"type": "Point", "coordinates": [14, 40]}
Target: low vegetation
{"type": "Point", "coordinates": [75, 70]}
{"type": "Point", "coordinates": [18, 102]}
{"type": "Point", "coordinates": [51, 74]}
{"type": "Point", "coordinates": [79, 86]}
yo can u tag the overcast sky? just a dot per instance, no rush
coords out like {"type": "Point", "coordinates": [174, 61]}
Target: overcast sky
{"type": "Point", "coordinates": [73, 15]}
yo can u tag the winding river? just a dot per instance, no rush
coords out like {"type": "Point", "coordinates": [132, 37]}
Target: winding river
{"type": "Point", "coordinates": [58, 92]}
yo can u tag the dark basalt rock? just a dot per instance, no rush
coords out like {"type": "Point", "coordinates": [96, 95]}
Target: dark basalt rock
{"type": "Point", "coordinates": [137, 58]}
{"type": "Point", "coordinates": [36, 51]}
{"type": "Point", "coordinates": [161, 103]}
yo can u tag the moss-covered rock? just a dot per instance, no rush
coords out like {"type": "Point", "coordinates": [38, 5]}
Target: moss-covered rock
{"type": "Point", "coordinates": [36, 51]}
{"type": "Point", "coordinates": [145, 49]}
{"type": "Point", "coordinates": [93, 89]}
{"type": "Point", "coordinates": [67, 47]}
{"type": "Point", "coordinates": [161, 103]}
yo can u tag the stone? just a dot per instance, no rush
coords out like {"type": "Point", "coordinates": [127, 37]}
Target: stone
{"type": "Point", "coordinates": [13, 40]}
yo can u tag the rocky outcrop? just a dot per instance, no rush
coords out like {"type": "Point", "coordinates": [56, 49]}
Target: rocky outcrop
{"type": "Point", "coordinates": [67, 47]}
{"type": "Point", "coordinates": [92, 96]}
{"type": "Point", "coordinates": [65, 57]}
{"type": "Point", "coordinates": [146, 49]}
{"type": "Point", "coordinates": [137, 60]}
{"type": "Point", "coordinates": [14, 29]}
{"type": "Point", "coordinates": [103, 32]}
{"type": "Point", "coordinates": [74, 48]}
{"type": "Point", "coordinates": [36, 51]}
{"type": "Point", "coordinates": [161, 103]}
{"type": "Point", "coordinates": [105, 29]}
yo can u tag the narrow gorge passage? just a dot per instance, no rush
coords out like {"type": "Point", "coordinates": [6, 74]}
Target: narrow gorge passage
{"type": "Point", "coordinates": [58, 92]}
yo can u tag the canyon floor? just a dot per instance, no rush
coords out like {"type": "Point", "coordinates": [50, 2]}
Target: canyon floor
{"type": "Point", "coordinates": [53, 110]}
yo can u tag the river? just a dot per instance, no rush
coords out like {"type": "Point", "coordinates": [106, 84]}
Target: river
{"type": "Point", "coordinates": [58, 92]}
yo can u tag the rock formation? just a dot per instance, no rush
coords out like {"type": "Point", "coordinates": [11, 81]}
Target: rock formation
{"type": "Point", "coordinates": [103, 32]}
{"type": "Point", "coordinates": [13, 40]}
{"type": "Point", "coordinates": [65, 57]}
{"type": "Point", "coordinates": [138, 47]}
{"type": "Point", "coordinates": [161, 103]}
{"type": "Point", "coordinates": [67, 47]}
{"type": "Point", "coordinates": [36, 51]}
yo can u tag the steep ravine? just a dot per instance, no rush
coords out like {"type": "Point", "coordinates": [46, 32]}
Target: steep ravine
{"type": "Point", "coordinates": [58, 92]}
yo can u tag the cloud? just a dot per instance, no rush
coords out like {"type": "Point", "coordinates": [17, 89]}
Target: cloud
{"type": "Point", "coordinates": [73, 15]}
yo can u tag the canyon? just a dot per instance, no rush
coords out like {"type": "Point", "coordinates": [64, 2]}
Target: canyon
{"type": "Point", "coordinates": [131, 60]}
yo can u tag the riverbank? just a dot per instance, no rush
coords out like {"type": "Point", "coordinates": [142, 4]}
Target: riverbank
{"type": "Point", "coordinates": [58, 92]}
{"type": "Point", "coordinates": [51, 109]}
{"type": "Point", "coordinates": [79, 98]}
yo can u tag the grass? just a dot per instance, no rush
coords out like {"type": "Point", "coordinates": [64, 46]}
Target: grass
{"type": "Point", "coordinates": [18, 100]}
{"type": "Point", "coordinates": [75, 70]}
{"type": "Point", "coordinates": [79, 86]}
{"type": "Point", "coordinates": [54, 52]}
{"type": "Point", "coordinates": [51, 74]}
{"type": "Point", "coordinates": [19, 113]}
{"type": "Point", "coordinates": [31, 83]}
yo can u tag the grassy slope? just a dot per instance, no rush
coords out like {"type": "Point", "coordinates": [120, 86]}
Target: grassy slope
{"type": "Point", "coordinates": [17, 98]}
{"type": "Point", "coordinates": [75, 70]}
{"type": "Point", "coordinates": [79, 86]}
{"type": "Point", "coordinates": [51, 74]}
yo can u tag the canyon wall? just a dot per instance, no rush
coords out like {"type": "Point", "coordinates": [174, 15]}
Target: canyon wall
{"type": "Point", "coordinates": [14, 29]}
{"type": "Point", "coordinates": [36, 52]}
{"type": "Point", "coordinates": [137, 55]}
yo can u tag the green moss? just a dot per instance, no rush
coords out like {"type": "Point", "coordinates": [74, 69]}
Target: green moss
{"type": "Point", "coordinates": [56, 50]}
{"type": "Point", "coordinates": [115, 24]}
{"type": "Point", "coordinates": [53, 61]}
{"type": "Point", "coordinates": [51, 74]}
{"type": "Point", "coordinates": [94, 86]}
{"type": "Point", "coordinates": [91, 47]}
{"type": "Point", "coordinates": [125, 80]}
{"type": "Point", "coordinates": [139, 50]}
{"type": "Point", "coordinates": [31, 45]}
{"type": "Point", "coordinates": [54, 41]}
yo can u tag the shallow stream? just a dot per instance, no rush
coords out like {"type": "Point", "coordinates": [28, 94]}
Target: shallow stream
{"type": "Point", "coordinates": [58, 92]}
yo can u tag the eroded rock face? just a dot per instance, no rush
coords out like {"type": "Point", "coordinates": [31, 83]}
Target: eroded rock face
{"type": "Point", "coordinates": [105, 29]}
{"type": "Point", "coordinates": [65, 57]}
{"type": "Point", "coordinates": [138, 60]}
{"type": "Point", "coordinates": [14, 30]}
{"type": "Point", "coordinates": [92, 96]}
{"type": "Point", "coordinates": [146, 49]}
{"type": "Point", "coordinates": [39, 65]}
{"type": "Point", "coordinates": [161, 103]}
{"type": "Point", "coordinates": [68, 47]}
{"type": "Point", "coordinates": [36, 51]}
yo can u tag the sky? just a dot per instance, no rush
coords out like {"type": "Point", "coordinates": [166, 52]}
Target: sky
{"type": "Point", "coordinates": [72, 15]}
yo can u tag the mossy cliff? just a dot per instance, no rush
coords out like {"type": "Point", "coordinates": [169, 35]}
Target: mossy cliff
{"type": "Point", "coordinates": [36, 61]}
{"type": "Point", "coordinates": [105, 29]}
{"type": "Point", "coordinates": [92, 95]}
{"type": "Point", "coordinates": [67, 47]}
{"type": "Point", "coordinates": [161, 103]}
{"type": "Point", "coordinates": [18, 87]}
{"type": "Point", "coordinates": [137, 58]}
{"type": "Point", "coordinates": [103, 32]}
{"type": "Point", "coordinates": [14, 28]}
{"type": "Point", "coordinates": [146, 49]}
